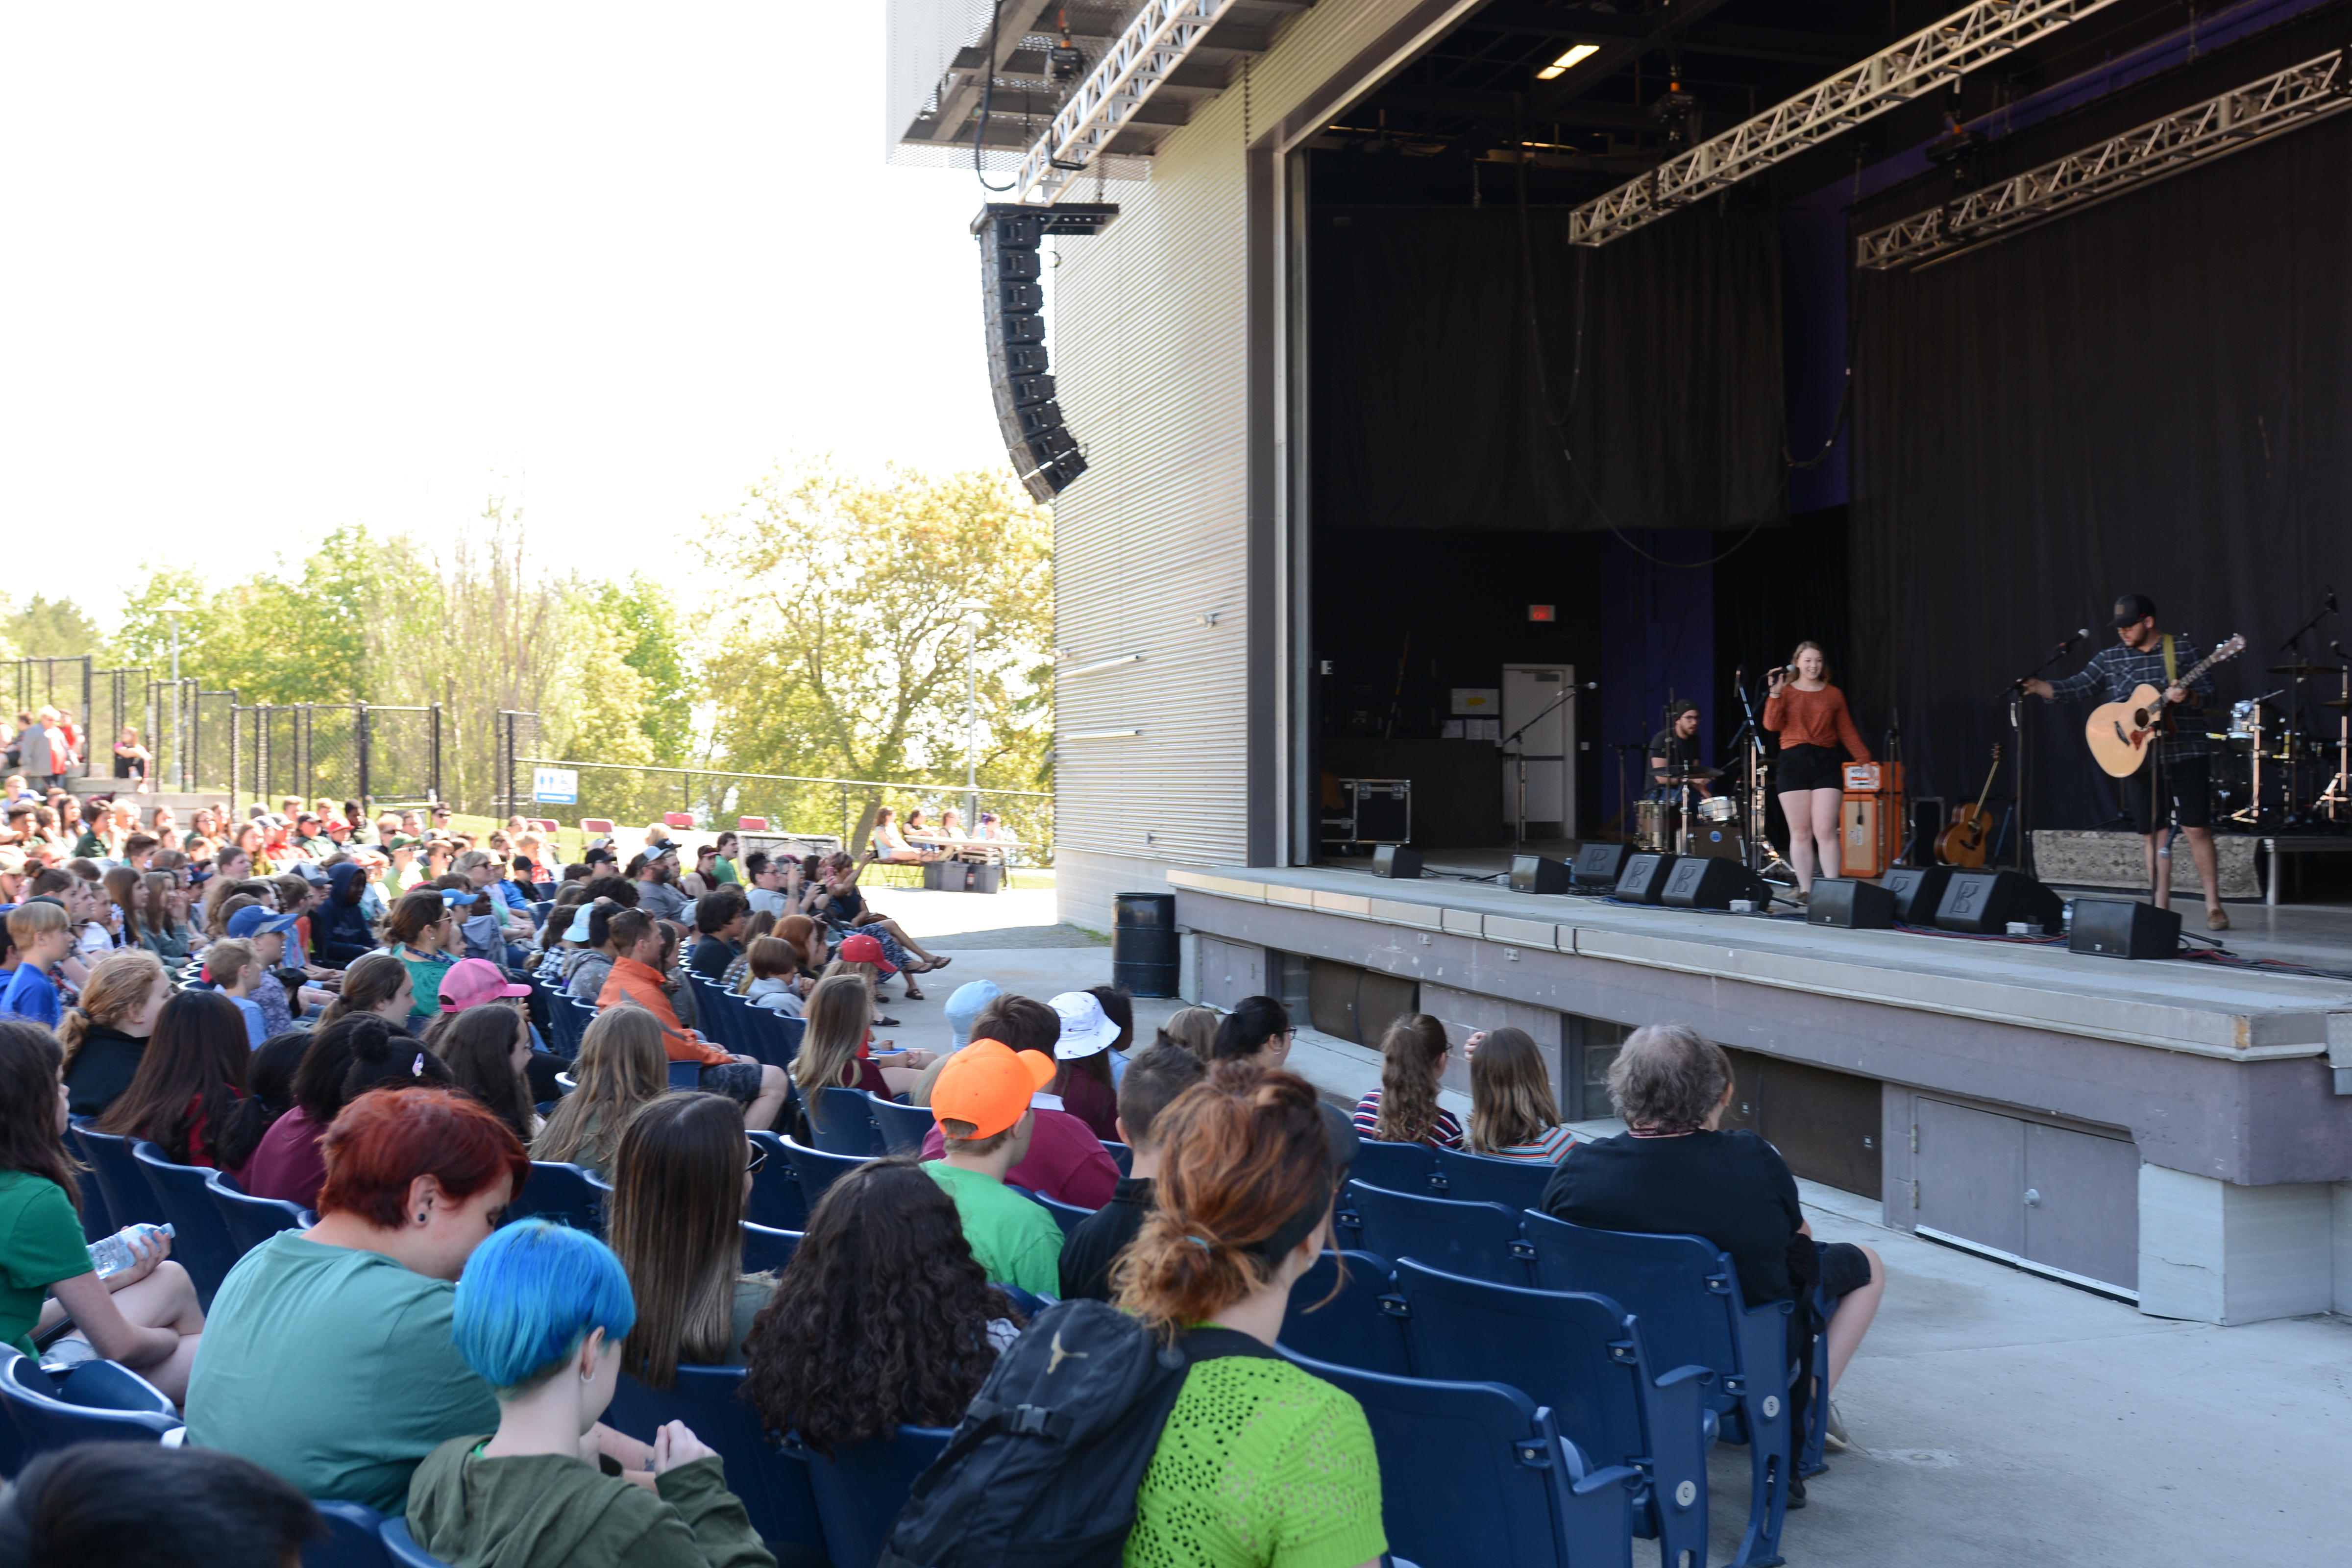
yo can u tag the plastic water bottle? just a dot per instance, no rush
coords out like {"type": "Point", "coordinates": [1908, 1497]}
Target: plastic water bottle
{"type": "Point", "coordinates": [111, 1255]}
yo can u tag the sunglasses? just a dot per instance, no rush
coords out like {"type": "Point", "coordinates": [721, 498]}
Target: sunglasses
{"type": "Point", "coordinates": [759, 1157]}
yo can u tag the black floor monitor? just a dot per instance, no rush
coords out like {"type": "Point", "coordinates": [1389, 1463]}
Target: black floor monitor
{"type": "Point", "coordinates": [1395, 860]}
{"type": "Point", "coordinates": [1918, 891]}
{"type": "Point", "coordinates": [2120, 928]}
{"type": "Point", "coordinates": [1705, 882]}
{"type": "Point", "coordinates": [1536, 874]}
{"type": "Point", "coordinates": [1855, 905]}
{"type": "Point", "coordinates": [1643, 881]}
{"type": "Point", "coordinates": [1600, 864]}
{"type": "Point", "coordinates": [1985, 904]}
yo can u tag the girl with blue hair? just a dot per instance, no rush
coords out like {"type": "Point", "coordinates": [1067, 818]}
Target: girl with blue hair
{"type": "Point", "coordinates": [540, 1312]}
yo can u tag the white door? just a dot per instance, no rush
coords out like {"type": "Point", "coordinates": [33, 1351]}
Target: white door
{"type": "Point", "coordinates": [1548, 746]}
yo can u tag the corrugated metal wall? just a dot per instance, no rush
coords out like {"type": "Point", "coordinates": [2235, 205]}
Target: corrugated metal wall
{"type": "Point", "coordinates": [1150, 547]}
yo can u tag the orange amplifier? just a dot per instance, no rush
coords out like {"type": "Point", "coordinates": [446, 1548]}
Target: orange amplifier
{"type": "Point", "coordinates": [1870, 817]}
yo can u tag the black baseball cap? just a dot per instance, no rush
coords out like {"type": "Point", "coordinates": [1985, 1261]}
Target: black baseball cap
{"type": "Point", "coordinates": [2131, 609]}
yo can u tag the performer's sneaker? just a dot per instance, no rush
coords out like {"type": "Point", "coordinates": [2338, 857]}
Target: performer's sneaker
{"type": "Point", "coordinates": [2216, 918]}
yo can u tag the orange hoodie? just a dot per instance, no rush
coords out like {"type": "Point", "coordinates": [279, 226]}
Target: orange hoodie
{"type": "Point", "coordinates": [631, 981]}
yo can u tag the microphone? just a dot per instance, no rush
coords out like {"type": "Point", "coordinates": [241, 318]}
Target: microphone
{"type": "Point", "coordinates": [2080, 633]}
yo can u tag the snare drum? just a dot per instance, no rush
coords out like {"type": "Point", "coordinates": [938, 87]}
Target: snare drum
{"type": "Point", "coordinates": [1656, 821]}
{"type": "Point", "coordinates": [1718, 809]}
{"type": "Point", "coordinates": [2246, 720]}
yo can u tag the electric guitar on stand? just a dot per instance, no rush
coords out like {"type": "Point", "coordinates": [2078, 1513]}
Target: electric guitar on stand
{"type": "Point", "coordinates": [2120, 732]}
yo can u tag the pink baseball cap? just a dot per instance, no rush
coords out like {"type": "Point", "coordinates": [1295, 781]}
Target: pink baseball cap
{"type": "Point", "coordinates": [474, 981]}
{"type": "Point", "coordinates": [859, 949]}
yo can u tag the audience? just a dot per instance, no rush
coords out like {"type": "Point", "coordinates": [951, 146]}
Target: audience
{"type": "Point", "coordinates": [1404, 1109]}
{"type": "Point", "coordinates": [339, 929]}
{"type": "Point", "coordinates": [1195, 1029]}
{"type": "Point", "coordinates": [676, 1221]}
{"type": "Point", "coordinates": [43, 936]}
{"type": "Point", "coordinates": [188, 1095]}
{"type": "Point", "coordinates": [771, 975]}
{"type": "Point", "coordinates": [230, 967]}
{"type": "Point", "coordinates": [1084, 1084]}
{"type": "Point", "coordinates": [344, 1059]}
{"type": "Point", "coordinates": [539, 1316]}
{"type": "Point", "coordinates": [836, 1047]}
{"type": "Point", "coordinates": [106, 1033]}
{"type": "Point", "coordinates": [488, 1049]}
{"type": "Point", "coordinates": [720, 917]}
{"type": "Point", "coordinates": [1259, 1460]}
{"type": "Point", "coordinates": [145, 1316]}
{"type": "Point", "coordinates": [1513, 1115]}
{"type": "Point", "coordinates": [1164, 1070]}
{"type": "Point", "coordinates": [621, 1066]}
{"type": "Point", "coordinates": [1064, 1160]}
{"type": "Point", "coordinates": [981, 1101]}
{"type": "Point", "coordinates": [1257, 1031]}
{"type": "Point", "coordinates": [139, 1505]}
{"type": "Point", "coordinates": [1118, 1006]}
{"type": "Point", "coordinates": [885, 1318]}
{"type": "Point", "coordinates": [269, 1076]}
{"type": "Point", "coordinates": [423, 935]}
{"type": "Point", "coordinates": [376, 982]}
{"type": "Point", "coordinates": [1674, 1170]}
{"type": "Point", "coordinates": [642, 977]}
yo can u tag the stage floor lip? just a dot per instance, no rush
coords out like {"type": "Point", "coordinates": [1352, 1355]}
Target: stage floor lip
{"type": "Point", "coordinates": [2235, 1015]}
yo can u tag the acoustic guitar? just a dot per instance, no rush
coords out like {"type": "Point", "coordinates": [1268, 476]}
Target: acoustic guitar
{"type": "Point", "coordinates": [1963, 842]}
{"type": "Point", "coordinates": [2120, 732]}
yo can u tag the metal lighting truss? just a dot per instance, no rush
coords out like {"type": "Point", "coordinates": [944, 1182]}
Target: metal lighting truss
{"type": "Point", "coordinates": [1145, 54]}
{"type": "Point", "coordinates": [2213, 128]}
{"type": "Point", "coordinates": [1940, 52]}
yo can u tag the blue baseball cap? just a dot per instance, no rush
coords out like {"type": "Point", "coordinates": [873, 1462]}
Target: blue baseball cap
{"type": "Point", "coordinates": [255, 920]}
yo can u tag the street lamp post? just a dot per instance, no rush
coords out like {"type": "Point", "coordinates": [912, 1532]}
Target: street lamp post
{"type": "Point", "coordinates": [173, 612]}
{"type": "Point", "coordinates": [972, 609]}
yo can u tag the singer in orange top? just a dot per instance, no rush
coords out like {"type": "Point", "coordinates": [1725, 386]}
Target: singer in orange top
{"type": "Point", "coordinates": [1816, 734]}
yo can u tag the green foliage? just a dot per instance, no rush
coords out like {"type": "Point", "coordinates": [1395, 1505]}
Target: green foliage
{"type": "Point", "coordinates": [297, 635]}
{"type": "Point", "coordinates": [645, 619]}
{"type": "Point", "coordinates": [47, 628]}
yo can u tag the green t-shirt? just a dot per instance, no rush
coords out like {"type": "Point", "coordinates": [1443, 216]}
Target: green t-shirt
{"type": "Point", "coordinates": [1014, 1240]}
{"type": "Point", "coordinates": [1262, 1464]}
{"type": "Point", "coordinates": [334, 1367]}
{"type": "Point", "coordinates": [40, 1244]}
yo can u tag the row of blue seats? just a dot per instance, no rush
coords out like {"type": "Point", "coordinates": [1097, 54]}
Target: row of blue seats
{"type": "Point", "coordinates": [213, 1221]}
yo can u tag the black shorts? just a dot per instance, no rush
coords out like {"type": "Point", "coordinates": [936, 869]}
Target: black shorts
{"type": "Point", "coordinates": [1809, 767]}
{"type": "Point", "coordinates": [1845, 1270]}
{"type": "Point", "coordinates": [2188, 785]}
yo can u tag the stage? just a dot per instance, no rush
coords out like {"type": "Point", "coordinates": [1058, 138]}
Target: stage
{"type": "Point", "coordinates": [2166, 1131]}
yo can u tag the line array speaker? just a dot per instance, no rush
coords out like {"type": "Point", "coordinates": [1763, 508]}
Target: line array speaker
{"type": "Point", "coordinates": [1986, 903]}
{"type": "Point", "coordinates": [1600, 864]}
{"type": "Point", "coordinates": [2120, 928]}
{"type": "Point", "coordinates": [1855, 905]}
{"type": "Point", "coordinates": [1012, 265]}
{"type": "Point", "coordinates": [1705, 882]}
{"type": "Point", "coordinates": [1643, 881]}
{"type": "Point", "coordinates": [1395, 860]}
{"type": "Point", "coordinates": [1536, 874]}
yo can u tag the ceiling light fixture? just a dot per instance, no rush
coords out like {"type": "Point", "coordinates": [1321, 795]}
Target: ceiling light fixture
{"type": "Point", "coordinates": [1569, 62]}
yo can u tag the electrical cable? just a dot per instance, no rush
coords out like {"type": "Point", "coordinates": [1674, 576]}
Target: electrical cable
{"type": "Point", "coordinates": [987, 88]}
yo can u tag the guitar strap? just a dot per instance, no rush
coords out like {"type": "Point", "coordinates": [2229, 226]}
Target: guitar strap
{"type": "Point", "coordinates": [2171, 674]}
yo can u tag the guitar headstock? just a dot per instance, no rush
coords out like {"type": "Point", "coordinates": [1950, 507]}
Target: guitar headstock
{"type": "Point", "coordinates": [2229, 649]}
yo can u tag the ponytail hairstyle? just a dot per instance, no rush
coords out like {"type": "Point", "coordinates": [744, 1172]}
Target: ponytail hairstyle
{"type": "Point", "coordinates": [1412, 1053]}
{"type": "Point", "coordinates": [118, 985]}
{"type": "Point", "coordinates": [1246, 1175]}
{"type": "Point", "coordinates": [383, 1057]}
{"type": "Point", "coordinates": [373, 980]}
{"type": "Point", "coordinates": [1511, 1100]}
{"type": "Point", "coordinates": [121, 885]}
{"type": "Point", "coordinates": [415, 914]}
{"type": "Point", "coordinates": [1254, 1021]}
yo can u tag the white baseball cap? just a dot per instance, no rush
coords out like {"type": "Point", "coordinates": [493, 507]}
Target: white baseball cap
{"type": "Point", "coordinates": [1085, 1028]}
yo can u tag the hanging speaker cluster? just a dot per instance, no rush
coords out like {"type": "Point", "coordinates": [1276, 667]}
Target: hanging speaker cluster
{"type": "Point", "coordinates": [1012, 268]}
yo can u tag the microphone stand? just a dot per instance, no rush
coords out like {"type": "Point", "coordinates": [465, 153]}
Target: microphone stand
{"type": "Point", "coordinates": [1568, 691]}
{"type": "Point", "coordinates": [1761, 854]}
{"type": "Point", "coordinates": [2017, 694]}
{"type": "Point", "coordinates": [2291, 809]}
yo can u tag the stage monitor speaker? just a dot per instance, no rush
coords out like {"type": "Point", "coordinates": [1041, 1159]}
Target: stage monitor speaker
{"type": "Point", "coordinates": [1643, 881]}
{"type": "Point", "coordinates": [1704, 882]}
{"type": "Point", "coordinates": [1600, 864]}
{"type": "Point", "coordinates": [1918, 892]}
{"type": "Point", "coordinates": [2120, 928]}
{"type": "Point", "coordinates": [1539, 873]}
{"type": "Point", "coordinates": [1395, 860]}
{"type": "Point", "coordinates": [1855, 905]}
{"type": "Point", "coordinates": [1986, 903]}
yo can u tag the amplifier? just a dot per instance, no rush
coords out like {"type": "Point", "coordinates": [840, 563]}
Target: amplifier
{"type": "Point", "coordinates": [1870, 819]}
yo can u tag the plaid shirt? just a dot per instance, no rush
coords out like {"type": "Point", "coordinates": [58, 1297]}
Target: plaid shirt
{"type": "Point", "coordinates": [2115, 671]}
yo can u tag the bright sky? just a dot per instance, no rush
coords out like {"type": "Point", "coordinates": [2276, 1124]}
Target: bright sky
{"type": "Point", "coordinates": [271, 268]}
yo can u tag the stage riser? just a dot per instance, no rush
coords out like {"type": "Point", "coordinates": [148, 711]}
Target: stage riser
{"type": "Point", "coordinates": [2120, 860]}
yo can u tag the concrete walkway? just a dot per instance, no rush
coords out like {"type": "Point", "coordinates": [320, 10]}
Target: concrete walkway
{"type": "Point", "coordinates": [1998, 1417]}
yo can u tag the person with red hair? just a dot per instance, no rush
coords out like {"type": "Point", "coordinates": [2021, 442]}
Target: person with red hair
{"type": "Point", "coordinates": [328, 1355]}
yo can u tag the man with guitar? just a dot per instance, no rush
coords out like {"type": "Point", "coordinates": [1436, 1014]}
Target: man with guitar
{"type": "Point", "coordinates": [2144, 657]}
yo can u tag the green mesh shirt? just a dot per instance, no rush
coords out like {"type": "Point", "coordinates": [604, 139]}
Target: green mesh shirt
{"type": "Point", "coordinates": [1261, 1466]}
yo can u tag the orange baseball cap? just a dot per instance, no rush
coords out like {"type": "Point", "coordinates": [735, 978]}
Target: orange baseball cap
{"type": "Point", "coordinates": [988, 1084]}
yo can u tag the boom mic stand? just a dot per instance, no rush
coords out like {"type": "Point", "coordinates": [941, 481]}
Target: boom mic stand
{"type": "Point", "coordinates": [1568, 691]}
{"type": "Point", "coordinates": [2017, 694]}
{"type": "Point", "coordinates": [1754, 806]}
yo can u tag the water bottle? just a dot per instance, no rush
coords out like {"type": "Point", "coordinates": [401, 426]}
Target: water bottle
{"type": "Point", "coordinates": [111, 1255]}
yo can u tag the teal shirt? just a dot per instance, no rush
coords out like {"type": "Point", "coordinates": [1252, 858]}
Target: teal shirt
{"type": "Point", "coordinates": [1014, 1240]}
{"type": "Point", "coordinates": [335, 1368]}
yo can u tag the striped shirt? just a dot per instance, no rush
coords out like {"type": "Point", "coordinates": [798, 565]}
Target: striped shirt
{"type": "Point", "coordinates": [1445, 1134]}
{"type": "Point", "coordinates": [1548, 1150]}
{"type": "Point", "coordinates": [2115, 671]}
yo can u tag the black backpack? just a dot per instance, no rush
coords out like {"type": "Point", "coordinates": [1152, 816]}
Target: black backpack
{"type": "Point", "coordinates": [1042, 1472]}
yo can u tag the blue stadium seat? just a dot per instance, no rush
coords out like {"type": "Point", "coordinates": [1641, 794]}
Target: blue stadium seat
{"type": "Point", "coordinates": [1480, 1240]}
{"type": "Point", "coordinates": [775, 1039]}
{"type": "Point", "coordinates": [861, 1487]}
{"type": "Point", "coordinates": [1398, 1167]}
{"type": "Point", "coordinates": [904, 1127]}
{"type": "Point", "coordinates": [776, 1200]}
{"type": "Point", "coordinates": [129, 1199]}
{"type": "Point", "coordinates": [773, 1484]}
{"type": "Point", "coordinates": [200, 1240]}
{"type": "Point", "coordinates": [97, 1401]}
{"type": "Point", "coordinates": [95, 1220]}
{"type": "Point", "coordinates": [1476, 1474]}
{"type": "Point", "coordinates": [1120, 1155]}
{"type": "Point", "coordinates": [1482, 1179]}
{"type": "Point", "coordinates": [566, 1021]}
{"type": "Point", "coordinates": [1354, 1327]}
{"type": "Point", "coordinates": [354, 1538]}
{"type": "Point", "coordinates": [404, 1551]}
{"type": "Point", "coordinates": [765, 1248]}
{"type": "Point", "coordinates": [1583, 1356]}
{"type": "Point", "coordinates": [561, 1192]}
{"type": "Point", "coordinates": [1066, 1216]}
{"type": "Point", "coordinates": [1685, 1294]}
{"type": "Point", "coordinates": [250, 1221]}
{"type": "Point", "coordinates": [686, 1076]}
{"type": "Point", "coordinates": [816, 1169]}
{"type": "Point", "coordinates": [841, 1123]}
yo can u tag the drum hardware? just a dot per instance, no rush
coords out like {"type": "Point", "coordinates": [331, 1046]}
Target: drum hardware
{"type": "Point", "coordinates": [1718, 809]}
{"type": "Point", "coordinates": [1655, 819]}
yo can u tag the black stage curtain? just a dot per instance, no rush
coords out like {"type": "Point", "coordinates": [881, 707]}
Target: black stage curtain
{"type": "Point", "coordinates": [1426, 411]}
{"type": "Point", "coordinates": [2149, 396]}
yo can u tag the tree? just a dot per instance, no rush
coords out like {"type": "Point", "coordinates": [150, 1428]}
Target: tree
{"type": "Point", "coordinates": [283, 637]}
{"type": "Point", "coordinates": [50, 628]}
{"type": "Point", "coordinates": [844, 651]}
{"type": "Point", "coordinates": [644, 618]}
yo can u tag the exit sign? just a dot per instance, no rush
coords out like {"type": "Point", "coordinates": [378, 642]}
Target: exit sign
{"type": "Point", "coordinates": [1540, 612]}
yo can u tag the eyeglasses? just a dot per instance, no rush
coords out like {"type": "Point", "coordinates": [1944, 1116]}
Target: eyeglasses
{"type": "Point", "coordinates": [759, 1157]}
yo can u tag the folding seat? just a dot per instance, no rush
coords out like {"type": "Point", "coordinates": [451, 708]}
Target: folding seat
{"type": "Point", "coordinates": [1066, 1216]}
{"type": "Point", "coordinates": [841, 1121]}
{"type": "Point", "coordinates": [773, 1483]}
{"type": "Point", "coordinates": [199, 1241]}
{"type": "Point", "coordinates": [776, 1201]}
{"type": "Point", "coordinates": [97, 1401]}
{"type": "Point", "coordinates": [129, 1199]}
{"type": "Point", "coordinates": [562, 1192]}
{"type": "Point", "coordinates": [904, 1127]}
{"type": "Point", "coordinates": [816, 1169]}
{"type": "Point", "coordinates": [1398, 1167]}
{"type": "Point", "coordinates": [250, 1221]}
{"type": "Point", "coordinates": [861, 1487]}
{"type": "Point", "coordinates": [765, 1248]}
{"type": "Point", "coordinates": [1482, 1179]}
{"type": "Point", "coordinates": [354, 1538]}
{"type": "Point", "coordinates": [1481, 1240]}
{"type": "Point", "coordinates": [1353, 1327]}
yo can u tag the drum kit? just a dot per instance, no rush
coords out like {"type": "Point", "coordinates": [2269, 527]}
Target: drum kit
{"type": "Point", "coordinates": [1699, 825]}
{"type": "Point", "coordinates": [2269, 764]}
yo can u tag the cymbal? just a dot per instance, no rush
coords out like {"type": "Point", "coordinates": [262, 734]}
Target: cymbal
{"type": "Point", "coordinates": [2306, 670]}
{"type": "Point", "coordinates": [2335, 702]}
{"type": "Point", "coordinates": [1702, 776]}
